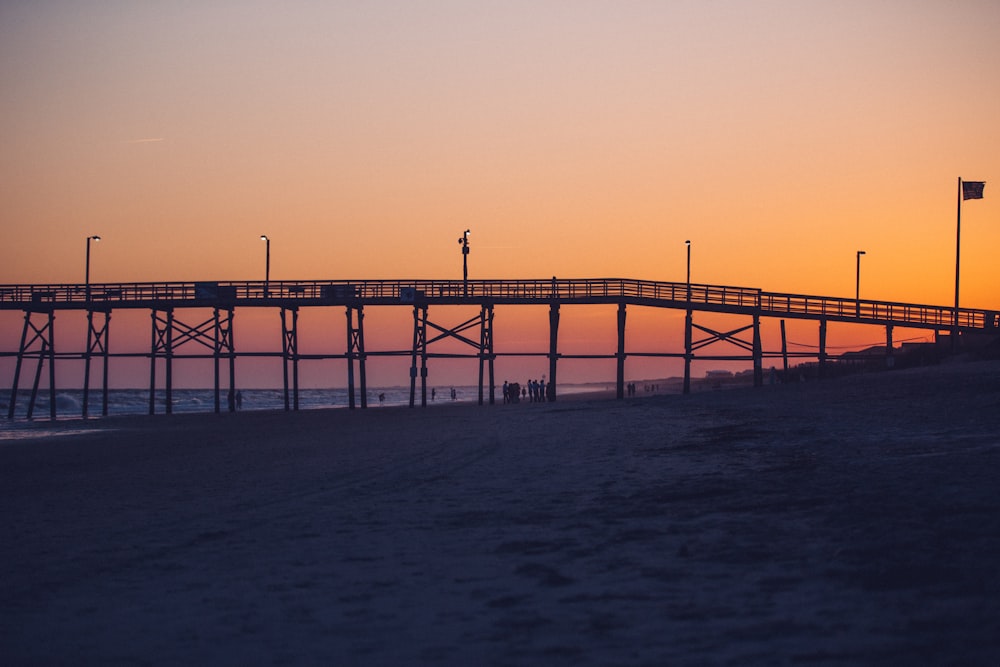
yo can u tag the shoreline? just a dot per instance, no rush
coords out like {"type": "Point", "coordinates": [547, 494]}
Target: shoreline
{"type": "Point", "coordinates": [740, 386]}
{"type": "Point", "coordinates": [321, 398]}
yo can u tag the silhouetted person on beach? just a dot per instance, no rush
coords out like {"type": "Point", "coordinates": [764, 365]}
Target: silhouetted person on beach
{"type": "Point", "coordinates": [239, 400]}
{"type": "Point", "coordinates": [506, 392]}
{"type": "Point", "coordinates": [381, 399]}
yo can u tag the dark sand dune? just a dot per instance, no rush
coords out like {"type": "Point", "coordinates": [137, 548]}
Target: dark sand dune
{"type": "Point", "coordinates": [854, 521]}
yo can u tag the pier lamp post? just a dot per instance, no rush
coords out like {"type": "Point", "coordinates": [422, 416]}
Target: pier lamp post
{"type": "Point", "coordinates": [688, 244]}
{"type": "Point", "coordinates": [267, 263]}
{"type": "Point", "coordinates": [90, 338]}
{"type": "Point", "coordinates": [464, 242]}
{"type": "Point", "coordinates": [94, 237]}
{"type": "Point", "coordinates": [857, 286]}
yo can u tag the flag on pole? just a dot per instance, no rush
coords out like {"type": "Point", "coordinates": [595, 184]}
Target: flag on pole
{"type": "Point", "coordinates": [973, 189]}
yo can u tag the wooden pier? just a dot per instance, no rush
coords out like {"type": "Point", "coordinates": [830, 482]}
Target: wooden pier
{"type": "Point", "coordinates": [212, 305]}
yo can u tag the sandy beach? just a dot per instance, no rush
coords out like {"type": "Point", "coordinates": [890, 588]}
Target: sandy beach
{"type": "Point", "coordinates": [854, 521]}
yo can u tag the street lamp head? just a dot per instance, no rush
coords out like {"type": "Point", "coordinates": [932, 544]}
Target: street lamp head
{"type": "Point", "coordinates": [263, 237]}
{"type": "Point", "coordinates": [687, 242]}
{"type": "Point", "coordinates": [861, 252]}
{"type": "Point", "coordinates": [95, 237]}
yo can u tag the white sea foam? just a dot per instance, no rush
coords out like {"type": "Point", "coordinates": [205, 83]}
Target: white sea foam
{"type": "Point", "coordinates": [136, 401]}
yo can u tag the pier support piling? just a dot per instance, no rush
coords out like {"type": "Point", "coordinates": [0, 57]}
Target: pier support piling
{"type": "Point", "coordinates": [486, 355]}
{"type": "Point", "coordinates": [215, 334]}
{"type": "Point", "coordinates": [784, 353]}
{"type": "Point", "coordinates": [97, 345]}
{"type": "Point", "coordinates": [890, 360]}
{"type": "Point", "coordinates": [37, 342]}
{"type": "Point", "coordinates": [553, 349]}
{"type": "Point", "coordinates": [483, 346]}
{"type": "Point", "coordinates": [38, 377]}
{"type": "Point", "coordinates": [620, 355]}
{"type": "Point", "coordinates": [758, 354]}
{"type": "Point", "coordinates": [162, 347]}
{"type": "Point", "coordinates": [822, 348]}
{"type": "Point", "coordinates": [223, 348]}
{"type": "Point", "coordinates": [419, 349]}
{"type": "Point", "coordinates": [356, 350]}
{"type": "Point", "coordinates": [290, 354]}
{"type": "Point", "coordinates": [688, 341]}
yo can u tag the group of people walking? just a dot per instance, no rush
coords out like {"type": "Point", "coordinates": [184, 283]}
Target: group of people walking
{"type": "Point", "coordinates": [533, 392]}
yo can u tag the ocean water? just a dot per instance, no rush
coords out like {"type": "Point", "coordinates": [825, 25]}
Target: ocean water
{"type": "Point", "coordinates": [69, 403]}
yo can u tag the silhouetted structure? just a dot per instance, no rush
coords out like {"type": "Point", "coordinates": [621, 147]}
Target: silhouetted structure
{"type": "Point", "coordinates": [214, 334]}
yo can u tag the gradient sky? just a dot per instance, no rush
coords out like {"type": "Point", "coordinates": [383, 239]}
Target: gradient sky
{"type": "Point", "coordinates": [576, 138]}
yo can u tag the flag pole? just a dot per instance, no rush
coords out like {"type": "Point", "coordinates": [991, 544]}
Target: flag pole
{"type": "Point", "coordinates": [958, 251]}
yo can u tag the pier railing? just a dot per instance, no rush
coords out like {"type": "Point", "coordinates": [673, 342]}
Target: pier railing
{"type": "Point", "coordinates": [566, 290]}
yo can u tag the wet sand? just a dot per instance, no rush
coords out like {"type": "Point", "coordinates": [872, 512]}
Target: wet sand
{"type": "Point", "coordinates": [852, 521]}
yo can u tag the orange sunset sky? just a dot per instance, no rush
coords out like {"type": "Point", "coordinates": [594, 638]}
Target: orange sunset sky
{"type": "Point", "coordinates": [575, 138]}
